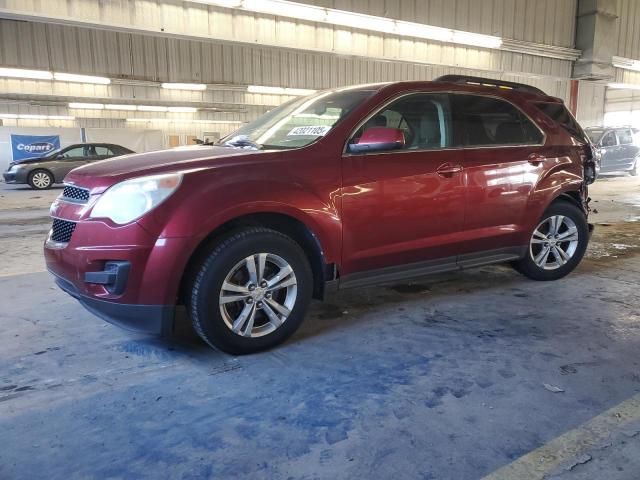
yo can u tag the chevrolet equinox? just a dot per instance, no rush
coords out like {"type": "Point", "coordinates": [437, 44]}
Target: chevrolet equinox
{"type": "Point", "coordinates": [343, 188]}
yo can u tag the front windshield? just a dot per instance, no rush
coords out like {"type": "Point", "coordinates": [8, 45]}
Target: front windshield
{"type": "Point", "coordinates": [52, 153]}
{"type": "Point", "coordinates": [299, 122]}
{"type": "Point", "coordinates": [594, 135]}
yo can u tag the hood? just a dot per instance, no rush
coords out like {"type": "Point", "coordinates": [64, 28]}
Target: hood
{"type": "Point", "coordinates": [108, 172]}
{"type": "Point", "coordinates": [31, 160]}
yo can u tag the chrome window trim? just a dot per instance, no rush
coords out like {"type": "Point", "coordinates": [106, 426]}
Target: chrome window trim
{"type": "Point", "coordinates": [346, 153]}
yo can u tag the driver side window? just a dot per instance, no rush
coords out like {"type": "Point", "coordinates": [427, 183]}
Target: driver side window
{"type": "Point", "coordinates": [609, 140]}
{"type": "Point", "coordinates": [422, 118]}
{"type": "Point", "coordinates": [74, 153]}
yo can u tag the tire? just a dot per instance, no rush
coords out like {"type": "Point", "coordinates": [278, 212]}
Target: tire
{"type": "Point", "coordinates": [40, 179]}
{"type": "Point", "coordinates": [573, 220]}
{"type": "Point", "coordinates": [215, 321]}
{"type": "Point", "coordinates": [634, 171]}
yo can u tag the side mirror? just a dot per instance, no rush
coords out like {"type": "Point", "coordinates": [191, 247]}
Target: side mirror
{"type": "Point", "coordinates": [378, 139]}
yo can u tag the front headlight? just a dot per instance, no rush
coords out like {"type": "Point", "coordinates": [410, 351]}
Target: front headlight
{"type": "Point", "coordinates": [129, 200]}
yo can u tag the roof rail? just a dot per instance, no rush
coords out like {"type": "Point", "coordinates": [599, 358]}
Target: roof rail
{"type": "Point", "coordinates": [489, 82]}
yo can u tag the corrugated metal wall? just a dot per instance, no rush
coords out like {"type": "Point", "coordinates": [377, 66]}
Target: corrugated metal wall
{"type": "Point", "coordinates": [370, 56]}
{"type": "Point", "coordinates": [177, 60]}
{"type": "Point", "coordinates": [628, 33]}
{"type": "Point", "coordinates": [622, 107]}
{"type": "Point", "coordinates": [551, 22]}
{"type": "Point", "coordinates": [618, 100]}
{"type": "Point", "coordinates": [182, 129]}
{"type": "Point", "coordinates": [114, 54]}
{"type": "Point", "coordinates": [110, 53]}
{"type": "Point", "coordinates": [591, 99]}
{"type": "Point", "coordinates": [628, 46]}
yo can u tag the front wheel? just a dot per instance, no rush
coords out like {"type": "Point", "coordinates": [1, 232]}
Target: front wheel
{"type": "Point", "coordinates": [251, 292]}
{"type": "Point", "coordinates": [557, 244]}
{"type": "Point", "coordinates": [40, 180]}
{"type": "Point", "coordinates": [634, 171]}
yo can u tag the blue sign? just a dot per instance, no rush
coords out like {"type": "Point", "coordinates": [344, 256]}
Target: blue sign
{"type": "Point", "coordinates": [31, 146]}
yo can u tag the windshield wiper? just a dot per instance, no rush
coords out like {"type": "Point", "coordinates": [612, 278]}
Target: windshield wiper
{"type": "Point", "coordinates": [277, 147]}
{"type": "Point", "coordinates": [242, 141]}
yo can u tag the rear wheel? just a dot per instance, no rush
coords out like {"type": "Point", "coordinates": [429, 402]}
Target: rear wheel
{"type": "Point", "coordinates": [40, 179]}
{"type": "Point", "coordinates": [252, 291]}
{"type": "Point", "coordinates": [557, 244]}
{"type": "Point", "coordinates": [634, 171]}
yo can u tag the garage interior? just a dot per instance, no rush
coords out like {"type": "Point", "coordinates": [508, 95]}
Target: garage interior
{"type": "Point", "coordinates": [463, 375]}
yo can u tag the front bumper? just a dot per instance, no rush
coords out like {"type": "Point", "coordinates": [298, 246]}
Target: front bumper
{"type": "Point", "coordinates": [9, 177]}
{"type": "Point", "coordinates": [17, 175]}
{"type": "Point", "coordinates": [90, 265]}
{"type": "Point", "coordinates": [156, 319]}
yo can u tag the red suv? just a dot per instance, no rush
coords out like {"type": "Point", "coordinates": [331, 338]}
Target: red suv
{"type": "Point", "coordinates": [344, 188]}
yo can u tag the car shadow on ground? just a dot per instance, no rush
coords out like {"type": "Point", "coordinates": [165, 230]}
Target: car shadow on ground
{"type": "Point", "coordinates": [349, 308]}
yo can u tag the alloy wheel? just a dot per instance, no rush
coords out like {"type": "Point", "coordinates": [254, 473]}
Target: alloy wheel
{"type": "Point", "coordinates": [258, 294]}
{"type": "Point", "coordinates": [554, 242]}
{"type": "Point", "coordinates": [41, 180]}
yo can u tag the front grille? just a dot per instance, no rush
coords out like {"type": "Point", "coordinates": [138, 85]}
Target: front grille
{"type": "Point", "coordinates": [62, 230]}
{"type": "Point", "coordinates": [75, 194]}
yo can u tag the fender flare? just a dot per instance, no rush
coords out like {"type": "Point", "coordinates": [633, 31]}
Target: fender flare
{"type": "Point", "coordinates": [307, 218]}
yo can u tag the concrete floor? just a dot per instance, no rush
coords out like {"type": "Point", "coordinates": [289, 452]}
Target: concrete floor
{"type": "Point", "coordinates": [438, 378]}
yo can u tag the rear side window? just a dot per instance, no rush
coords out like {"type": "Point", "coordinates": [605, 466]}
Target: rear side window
{"type": "Point", "coordinates": [104, 151]}
{"type": "Point", "coordinates": [559, 114]}
{"type": "Point", "coordinates": [624, 136]}
{"type": "Point", "coordinates": [487, 121]}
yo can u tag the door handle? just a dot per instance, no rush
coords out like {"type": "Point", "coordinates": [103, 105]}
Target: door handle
{"type": "Point", "coordinates": [448, 170]}
{"type": "Point", "coordinates": [536, 159]}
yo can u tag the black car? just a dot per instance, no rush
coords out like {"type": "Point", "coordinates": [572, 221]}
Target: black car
{"type": "Point", "coordinates": [42, 172]}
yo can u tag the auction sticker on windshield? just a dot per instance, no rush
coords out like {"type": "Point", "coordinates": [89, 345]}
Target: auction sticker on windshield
{"type": "Point", "coordinates": [317, 130]}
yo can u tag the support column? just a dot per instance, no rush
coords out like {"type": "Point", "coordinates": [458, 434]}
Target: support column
{"type": "Point", "coordinates": [594, 36]}
{"type": "Point", "coordinates": [573, 96]}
